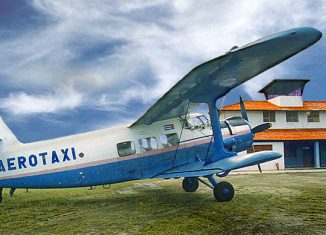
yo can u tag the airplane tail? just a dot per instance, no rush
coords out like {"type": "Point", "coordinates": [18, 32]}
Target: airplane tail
{"type": "Point", "coordinates": [6, 135]}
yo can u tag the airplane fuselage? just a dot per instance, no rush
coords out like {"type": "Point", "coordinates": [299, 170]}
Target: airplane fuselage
{"type": "Point", "coordinates": [92, 158]}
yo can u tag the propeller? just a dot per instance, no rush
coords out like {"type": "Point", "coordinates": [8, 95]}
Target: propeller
{"type": "Point", "coordinates": [243, 110]}
{"type": "Point", "coordinates": [256, 129]}
{"type": "Point", "coordinates": [261, 127]}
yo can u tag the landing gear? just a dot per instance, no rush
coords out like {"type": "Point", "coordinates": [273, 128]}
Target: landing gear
{"type": "Point", "coordinates": [223, 191]}
{"type": "Point", "coordinates": [190, 184]}
{"type": "Point", "coordinates": [12, 191]}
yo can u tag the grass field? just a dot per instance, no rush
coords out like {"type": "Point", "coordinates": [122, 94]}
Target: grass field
{"type": "Point", "coordinates": [291, 203]}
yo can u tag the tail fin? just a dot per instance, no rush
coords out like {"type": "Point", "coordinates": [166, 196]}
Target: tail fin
{"type": "Point", "coordinates": [6, 135]}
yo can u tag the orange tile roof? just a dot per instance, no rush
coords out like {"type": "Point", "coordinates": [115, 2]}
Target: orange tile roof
{"type": "Point", "coordinates": [265, 105]}
{"type": "Point", "coordinates": [291, 134]}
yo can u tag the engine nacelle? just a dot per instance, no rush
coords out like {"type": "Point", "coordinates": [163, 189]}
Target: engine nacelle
{"type": "Point", "coordinates": [237, 134]}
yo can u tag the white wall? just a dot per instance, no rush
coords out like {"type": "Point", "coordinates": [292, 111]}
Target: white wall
{"type": "Point", "coordinates": [287, 101]}
{"type": "Point", "coordinates": [256, 118]}
{"type": "Point", "coordinates": [268, 166]}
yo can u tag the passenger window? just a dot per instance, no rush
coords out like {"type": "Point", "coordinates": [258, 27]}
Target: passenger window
{"type": "Point", "coordinates": [126, 148]}
{"type": "Point", "coordinates": [148, 144]}
{"type": "Point", "coordinates": [168, 140]}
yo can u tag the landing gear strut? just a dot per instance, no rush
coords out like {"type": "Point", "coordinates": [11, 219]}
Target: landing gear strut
{"type": "Point", "coordinates": [190, 184]}
{"type": "Point", "coordinates": [12, 191]}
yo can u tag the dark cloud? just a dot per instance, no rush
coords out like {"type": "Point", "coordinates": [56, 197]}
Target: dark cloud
{"type": "Point", "coordinates": [115, 58]}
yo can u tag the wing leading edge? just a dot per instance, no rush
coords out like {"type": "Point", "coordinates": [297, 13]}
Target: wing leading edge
{"type": "Point", "coordinates": [215, 78]}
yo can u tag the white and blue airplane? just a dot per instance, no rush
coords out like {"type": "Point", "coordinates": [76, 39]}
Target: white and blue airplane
{"type": "Point", "coordinates": [167, 141]}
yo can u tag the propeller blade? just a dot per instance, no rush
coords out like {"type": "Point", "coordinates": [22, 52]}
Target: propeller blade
{"type": "Point", "coordinates": [261, 127]}
{"type": "Point", "coordinates": [222, 103]}
{"type": "Point", "coordinates": [243, 110]}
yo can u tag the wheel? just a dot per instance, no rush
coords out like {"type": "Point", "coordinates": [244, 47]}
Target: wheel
{"type": "Point", "coordinates": [190, 184]}
{"type": "Point", "coordinates": [223, 191]}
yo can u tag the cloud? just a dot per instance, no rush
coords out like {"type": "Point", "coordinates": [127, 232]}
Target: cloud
{"type": "Point", "coordinates": [116, 52]}
{"type": "Point", "coordinates": [62, 99]}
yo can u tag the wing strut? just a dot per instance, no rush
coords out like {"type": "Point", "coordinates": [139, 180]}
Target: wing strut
{"type": "Point", "coordinates": [183, 125]}
{"type": "Point", "coordinates": [220, 152]}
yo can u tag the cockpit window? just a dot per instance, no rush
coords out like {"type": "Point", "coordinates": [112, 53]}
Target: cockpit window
{"type": "Point", "coordinates": [147, 144]}
{"type": "Point", "coordinates": [204, 119]}
{"type": "Point", "coordinates": [195, 122]}
{"type": "Point", "coordinates": [126, 148]}
{"type": "Point", "coordinates": [168, 140]}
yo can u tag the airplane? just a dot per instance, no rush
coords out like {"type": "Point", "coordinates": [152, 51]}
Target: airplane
{"type": "Point", "coordinates": [168, 141]}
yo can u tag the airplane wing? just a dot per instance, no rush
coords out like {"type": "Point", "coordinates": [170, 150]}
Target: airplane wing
{"type": "Point", "coordinates": [215, 78]}
{"type": "Point", "coordinates": [226, 164]}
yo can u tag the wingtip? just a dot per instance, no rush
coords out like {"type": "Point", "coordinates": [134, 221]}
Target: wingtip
{"type": "Point", "coordinates": [311, 32]}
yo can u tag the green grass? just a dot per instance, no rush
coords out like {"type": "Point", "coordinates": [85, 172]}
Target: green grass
{"type": "Point", "coordinates": [291, 203]}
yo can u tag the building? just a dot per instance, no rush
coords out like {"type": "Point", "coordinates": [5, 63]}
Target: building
{"type": "Point", "coordinates": [298, 127]}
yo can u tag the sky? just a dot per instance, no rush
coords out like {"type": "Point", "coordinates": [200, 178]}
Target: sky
{"type": "Point", "coordinates": [68, 67]}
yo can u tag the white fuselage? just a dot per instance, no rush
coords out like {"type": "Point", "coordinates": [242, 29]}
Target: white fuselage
{"type": "Point", "coordinates": [84, 150]}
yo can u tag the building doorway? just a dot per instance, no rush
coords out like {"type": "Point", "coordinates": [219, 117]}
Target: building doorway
{"type": "Point", "coordinates": [308, 156]}
{"type": "Point", "coordinates": [299, 154]}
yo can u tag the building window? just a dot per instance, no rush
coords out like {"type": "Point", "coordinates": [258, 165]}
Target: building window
{"type": "Point", "coordinates": [169, 140]}
{"type": "Point", "coordinates": [148, 144]}
{"type": "Point", "coordinates": [313, 116]}
{"type": "Point", "coordinates": [126, 148]}
{"type": "Point", "coordinates": [292, 116]}
{"type": "Point", "coordinates": [268, 116]}
{"type": "Point", "coordinates": [258, 148]}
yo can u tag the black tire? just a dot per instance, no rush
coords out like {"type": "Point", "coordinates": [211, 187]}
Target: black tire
{"type": "Point", "coordinates": [190, 184]}
{"type": "Point", "coordinates": [223, 191]}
